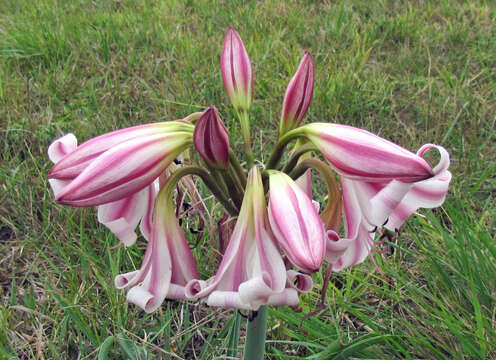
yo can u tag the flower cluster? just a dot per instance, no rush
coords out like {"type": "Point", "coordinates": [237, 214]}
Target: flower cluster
{"type": "Point", "coordinates": [279, 236]}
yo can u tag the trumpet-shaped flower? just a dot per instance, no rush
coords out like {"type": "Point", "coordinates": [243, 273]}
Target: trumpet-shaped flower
{"type": "Point", "coordinates": [121, 216]}
{"type": "Point", "coordinates": [168, 264]}
{"type": "Point", "coordinates": [121, 211]}
{"type": "Point", "coordinates": [358, 154]}
{"type": "Point", "coordinates": [236, 69]}
{"type": "Point", "coordinates": [120, 170]}
{"type": "Point", "coordinates": [74, 162]}
{"type": "Point", "coordinates": [252, 272]}
{"type": "Point", "coordinates": [211, 139]}
{"type": "Point", "coordinates": [298, 95]}
{"type": "Point", "coordinates": [296, 223]}
{"type": "Point", "coordinates": [369, 205]}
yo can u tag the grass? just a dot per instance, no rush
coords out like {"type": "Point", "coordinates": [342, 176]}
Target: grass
{"type": "Point", "coordinates": [413, 72]}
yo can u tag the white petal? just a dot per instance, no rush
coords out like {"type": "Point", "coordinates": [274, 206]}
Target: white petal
{"type": "Point", "coordinates": [61, 147]}
{"type": "Point", "coordinates": [122, 216]}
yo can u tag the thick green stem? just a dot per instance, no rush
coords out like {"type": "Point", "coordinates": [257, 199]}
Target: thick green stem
{"type": "Point", "coordinates": [295, 156]}
{"type": "Point", "coordinates": [233, 160]}
{"type": "Point", "coordinates": [193, 117]}
{"type": "Point", "coordinates": [217, 175]}
{"type": "Point", "coordinates": [255, 335]}
{"type": "Point", "coordinates": [245, 130]}
{"type": "Point", "coordinates": [276, 155]}
{"type": "Point", "coordinates": [208, 181]}
{"type": "Point", "coordinates": [316, 164]}
{"type": "Point", "coordinates": [234, 187]}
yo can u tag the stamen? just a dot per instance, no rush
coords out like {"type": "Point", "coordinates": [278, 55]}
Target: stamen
{"type": "Point", "coordinates": [389, 280]}
{"type": "Point", "coordinates": [242, 315]}
{"type": "Point", "coordinates": [253, 316]}
{"type": "Point", "coordinates": [116, 246]}
{"type": "Point", "coordinates": [379, 251]}
{"type": "Point", "coordinates": [323, 292]}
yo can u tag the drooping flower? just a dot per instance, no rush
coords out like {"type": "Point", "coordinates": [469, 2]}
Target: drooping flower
{"type": "Point", "coordinates": [296, 223]}
{"type": "Point", "coordinates": [110, 167]}
{"type": "Point", "coordinates": [358, 154]}
{"type": "Point", "coordinates": [211, 139]}
{"type": "Point", "coordinates": [298, 95]}
{"type": "Point", "coordinates": [371, 205]}
{"type": "Point", "coordinates": [74, 162]}
{"type": "Point", "coordinates": [168, 264]}
{"type": "Point", "coordinates": [236, 69]}
{"type": "Point", "coordinates": [252, 272]}
{"type": "Point", "coordinates": [121, 216]}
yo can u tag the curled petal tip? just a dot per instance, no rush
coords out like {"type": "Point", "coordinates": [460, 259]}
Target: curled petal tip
{"type": "Point", "coordinates": [61, 147]}
{"type": "Point", "coordinates": [168, 264]}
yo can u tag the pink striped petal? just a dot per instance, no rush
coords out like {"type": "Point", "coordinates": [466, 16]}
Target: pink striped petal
{"type": "Point", "coordinates": [295, 223]}
{"type": "Point", "coordinates": [231, 299]}
{"type": "Point", "coordinates": [168, 263]}
{"type": "Point", "coordinates": [146, 221]}
{"type": "Point", "coordinates": [56, 151]}
{"type": "Point", "coordinates": [124, 169]}
{"type": "Point", "coordinates": [58, 185]}
{"type": "Point", "coordinates": [288, 297]}
{"type": "Point", "coordinates": [378, 200]}
{"type": "Point", "coordinates": [122, 216]}
{"type": "Point", "coordinates": [358, 154]}
{"type": "Point", "coordinates": [74, 162]}
{"type": "Point", "coordinates": [61, 147]}
{"type": "Point", "coordinates": [356, 245]}
{"type": "Point", "coordinates": [424, 194]}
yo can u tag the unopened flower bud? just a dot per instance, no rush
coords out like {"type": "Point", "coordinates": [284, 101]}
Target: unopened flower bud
{"type": "Point", "coordinates": [236, 69]}
{"type": "Point", "coordinates": [298, 95]}
{"type": "Point", "coordinates": [211, 139]}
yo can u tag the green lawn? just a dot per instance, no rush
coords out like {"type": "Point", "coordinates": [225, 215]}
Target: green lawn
{"type": "Point", "coordinates": [411, 71]}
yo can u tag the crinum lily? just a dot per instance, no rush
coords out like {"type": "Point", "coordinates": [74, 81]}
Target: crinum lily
{"type": "Point", "coordinates": [168, 263]}
{"type": "Point", "coordinates": [121, 216]}
{"type": "Point", "coordinates": [382, 185]}
{"type": "Point", "coordinates": [121, 172]}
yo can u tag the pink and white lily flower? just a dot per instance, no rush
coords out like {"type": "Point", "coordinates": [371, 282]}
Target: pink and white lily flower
{"type": "Point", "coordinates": [168, 264]}
{"type": "Point", "coordinates": [252, 272]}
{"type": "Point", "coordinates": [118, 164]}
{"type": "Point", "coordinates": [358, 154]}
{"type": "Point", "coordinates": [382, 185]}
{"type": "Point", "coordinates": [371, 205]}
{"type": "Point", "coordinates": [120, 214]}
